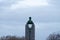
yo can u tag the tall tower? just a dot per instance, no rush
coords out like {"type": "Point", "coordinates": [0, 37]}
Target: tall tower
{"type": "Point", "coordinates": [30, 30]}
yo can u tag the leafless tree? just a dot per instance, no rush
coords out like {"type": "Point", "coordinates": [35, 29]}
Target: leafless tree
{"type": "Point", "coordinates": [12, 38]}
{"type": "Point", "coordinates": [54, 37]}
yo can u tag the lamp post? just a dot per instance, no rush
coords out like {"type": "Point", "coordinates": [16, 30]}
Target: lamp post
{"type": "Point", "coordinates": [30, 30]}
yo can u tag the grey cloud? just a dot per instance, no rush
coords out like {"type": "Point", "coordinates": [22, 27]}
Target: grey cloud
{"type": "Point", "coordinates": [55, 3]}
{"type": "Point", "coordinates": [7, 3]}
{"type": "Point", "coordinates": [43, 14]}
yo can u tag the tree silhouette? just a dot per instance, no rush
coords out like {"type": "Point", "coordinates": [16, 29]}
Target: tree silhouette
{"type": "Point", "coordinates": [54, 37]}
{"type": "Point", "coordinates": [12, 38]}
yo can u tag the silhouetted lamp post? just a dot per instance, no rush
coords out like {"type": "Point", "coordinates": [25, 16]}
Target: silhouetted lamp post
{"type": "Point", "coordinates": [30, 30]}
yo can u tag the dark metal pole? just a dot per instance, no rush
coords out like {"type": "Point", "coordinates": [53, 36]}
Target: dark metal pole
{"type": "Point", "coordinates": [29, 34]}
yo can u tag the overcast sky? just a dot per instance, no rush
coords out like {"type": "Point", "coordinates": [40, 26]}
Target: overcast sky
{"type": "Point", "coordinates": [14, 15]}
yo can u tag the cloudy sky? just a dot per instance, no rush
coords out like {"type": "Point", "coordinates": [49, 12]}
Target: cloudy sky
{"type": "Point", "coordinates": [14, 15]}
